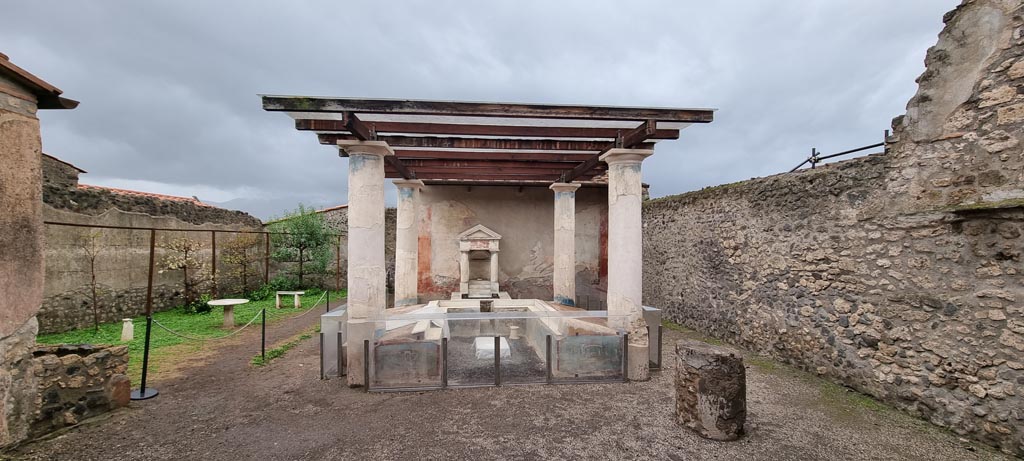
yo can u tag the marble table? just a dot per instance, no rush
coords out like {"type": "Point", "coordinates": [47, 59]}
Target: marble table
{"type": "Point", "coordinates": [229, 309]}
{"type": "Point", "coordinates": [296, 294]}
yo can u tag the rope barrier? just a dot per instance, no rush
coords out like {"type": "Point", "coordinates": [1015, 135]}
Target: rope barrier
{"type": "Point", "coordinates": [196, 338]}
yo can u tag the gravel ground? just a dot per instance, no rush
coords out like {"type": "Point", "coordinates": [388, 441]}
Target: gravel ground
{"type": "Point", "coordinates": [226, 409]}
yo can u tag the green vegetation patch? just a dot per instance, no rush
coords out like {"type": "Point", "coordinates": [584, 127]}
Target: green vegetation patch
{"type": "Point", "coordinates": [259, 361]}
{"type": "Point", "coordinates": [167, 349]}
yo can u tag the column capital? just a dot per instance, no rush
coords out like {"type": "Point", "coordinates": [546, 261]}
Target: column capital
{"type": "Point", "coordinates": [626, 155]}
{"type": "Point", "coordinates": [355, 146]}
{"type": "Point", "coordinates": [408, 183]}
{"type": "Point", "coordinates": [565, 186]}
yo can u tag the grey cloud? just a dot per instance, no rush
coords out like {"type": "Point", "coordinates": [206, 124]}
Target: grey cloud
{"type": "Point", "coordinates": [169, 89]}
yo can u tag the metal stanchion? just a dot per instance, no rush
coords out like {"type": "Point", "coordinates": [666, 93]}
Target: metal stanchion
{"type": "Point", "coordinates": [142, 393]}
{"type": "Point", "coordinates": [497, 360]}
{"type": "Point", "coordinates": [366, 365]}
{"type": "Point", "coordinates": [322, 355]}
{"type": "Point", "coordinates": [625, 357]}
{"type": "Point", "coordinates": [548, 359]}
{"type": "Point", "coordinates": [327, 308]}
{"type": "Point", "coordinates": [444, 363]}
{"type": "Point", "coordinates": [263, 335]}
{"type": "Point", "coordinates": [341, 355]}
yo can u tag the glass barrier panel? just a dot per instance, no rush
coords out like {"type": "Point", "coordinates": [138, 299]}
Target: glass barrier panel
{"type": "Point", "coordinates": [471, 352]}
{"type": "Point", "coordinates": [406, 355]}
{"type": "Point", "coordinates": [587, 357]}
{"type": "Point", "coordinates": [525, 361]}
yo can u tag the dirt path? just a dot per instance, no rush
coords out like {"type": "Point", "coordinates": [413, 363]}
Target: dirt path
{"type": "Point", "coordinates": [226, 409]}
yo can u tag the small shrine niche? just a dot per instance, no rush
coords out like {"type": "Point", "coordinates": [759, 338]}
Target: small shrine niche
{"type": "Point", "coordinates": [478, 263]}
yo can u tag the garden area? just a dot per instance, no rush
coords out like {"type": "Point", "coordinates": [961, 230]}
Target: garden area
{"type": "Point", "coordinates": [300, 251]}
{"type": "Point", "coordinates": [196, 330]}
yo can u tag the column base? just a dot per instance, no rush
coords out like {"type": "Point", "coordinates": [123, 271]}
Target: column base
{"type": "Point", "coordinates": [357, 334]}
{"type": "Point", "coordinates": [639, 369]}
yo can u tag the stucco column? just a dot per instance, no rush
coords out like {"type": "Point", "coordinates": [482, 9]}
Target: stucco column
{"type": "Point", "coordinates": [625, 253]}
{"type": "Point", "coordinates": [367, 293]}
{"type": "Point", "coordinates": [406, 242]}
{"type": "Point", "coordinates": [565, 243]}
{"type": "Point", "coordinates": [464, 271]}
{"type": "Point", "coordinates": [494, 271]}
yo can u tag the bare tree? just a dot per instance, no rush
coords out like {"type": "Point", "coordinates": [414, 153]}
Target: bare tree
{"type": "Point", "coordinates": [90, 245]}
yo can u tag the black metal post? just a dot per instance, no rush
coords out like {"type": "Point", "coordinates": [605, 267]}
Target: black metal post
{"type": "Point", "coordinates": [328, 306]}
{"type": "Point", "coordinates": [497, 360]}
{"type": "Point", "coordinates": [143, 393]}
{"type": "Point", "coordinates": [547, 357]}
{"type": "Point", "coordinates": [444, 363]}
{"type": "Point", "coordinates": [660, 339]}
{"type": "Point", "coordinates": [625, 357]}
{"type": "Point", "coordinates": [321, 355]}
{"type": "Point", "coordinates": [263, 334]}
{"type": "Point", "coordinates": [341, 354]}
{"type": "Point", "coordinates": [366, 365]}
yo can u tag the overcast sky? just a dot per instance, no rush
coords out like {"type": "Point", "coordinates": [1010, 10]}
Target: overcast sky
{"type": "Point", "coordinates": [169, 89]}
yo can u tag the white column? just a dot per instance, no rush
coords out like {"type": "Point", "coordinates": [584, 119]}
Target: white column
{"type": "Point", "coordinates": [367, 293]}
{"type": "Point", "coordinates": [494, 271]}
{"type": "Point", "coordinates": [407, 242]}
{"type": "Point", "coordinates": [564, 277]}
{"type": "Point", "coordinates": [464, 271]}
{"type": "Point", "coordinates": [625, 253]}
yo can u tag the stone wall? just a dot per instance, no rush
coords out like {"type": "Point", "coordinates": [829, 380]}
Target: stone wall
{"type": "Point", "coordinates": [123, 262]}
{"type": "Point", "coordinates": [898, 275]}
{"type": "Point", "coordinates": [77, 382]}
{"type": "Point", "coordinates": [21, 253]}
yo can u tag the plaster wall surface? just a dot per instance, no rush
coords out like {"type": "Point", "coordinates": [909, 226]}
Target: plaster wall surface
{"type": "Point", "coordinates": [899, 274]}
{"type": "Point", "coordinates": [21, 257]}
{"type": "Point", "coordinates": [525, 219]}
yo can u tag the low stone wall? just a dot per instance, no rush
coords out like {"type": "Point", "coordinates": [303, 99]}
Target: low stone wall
{"type": "Point", "coordinates": [77, 382]}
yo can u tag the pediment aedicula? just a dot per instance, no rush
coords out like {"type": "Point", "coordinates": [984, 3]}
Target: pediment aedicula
{"type": "Point", "coordinates": [479, 232]}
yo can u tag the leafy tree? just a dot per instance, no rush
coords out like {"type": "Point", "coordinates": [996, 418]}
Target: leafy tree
{"type": "Point", "coordinates": [183, 257]}
{"type": "Point", "coordinates": [90, 245]}
{"type": "Point", "coordinates": [305, 241]}
{"type": "Point", "coordinates": [239, 254]}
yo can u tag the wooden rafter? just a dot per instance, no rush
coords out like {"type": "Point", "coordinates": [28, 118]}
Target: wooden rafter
{"type": "Point", "coordinates": [475, 143]}
{"type": "Point", "coordinates": [630, 139]}
{"type": "Point", "coordinates": [452, 129]}
{"type": "Point", "coordinates": [483, 109]}
{"type": "Point", "coordinates": [574, 157]}
{"type": "Point", "coordinates": [363, 132]}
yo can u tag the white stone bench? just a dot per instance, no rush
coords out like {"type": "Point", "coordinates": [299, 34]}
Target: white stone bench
{"type": "Point", "coordinates": [296, 294]}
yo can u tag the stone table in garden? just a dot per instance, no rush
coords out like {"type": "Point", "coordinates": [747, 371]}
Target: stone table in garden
{"type": "Point", "coordinates": [229, 309]}
{"type": "Point", "coordinates": [711, 390]}
{"type": "Point", "coordinates": [296, 294]}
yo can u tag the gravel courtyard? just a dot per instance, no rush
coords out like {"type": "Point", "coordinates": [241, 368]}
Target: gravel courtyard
{"type": "Point", "coordinates": [223, 408]}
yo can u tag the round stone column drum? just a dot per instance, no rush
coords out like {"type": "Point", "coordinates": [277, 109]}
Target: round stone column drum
{"type": "Point", "coordinates": [711, 390]}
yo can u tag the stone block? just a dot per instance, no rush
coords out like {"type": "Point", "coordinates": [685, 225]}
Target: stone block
{"type": "Point", "coordinates": [120, 391]}
{"type": "Point", "coordinates": [711, 390]}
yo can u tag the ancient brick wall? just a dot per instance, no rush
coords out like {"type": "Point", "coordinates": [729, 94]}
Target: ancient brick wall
{"type": "Point", "coordinates": [898, 275]}
{"type": "Point", "coordinates": [77, 382]}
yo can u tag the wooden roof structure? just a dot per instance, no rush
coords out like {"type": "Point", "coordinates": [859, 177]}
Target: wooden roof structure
{"type": "Point", "coordinates": [444, 142]}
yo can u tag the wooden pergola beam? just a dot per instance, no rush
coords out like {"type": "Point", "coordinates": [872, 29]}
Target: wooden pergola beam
{"type": "Point", "coordinates": [479, 176]}
{"type": "Point", "coordinates": [406, 154]}
{"type": "Point", "coordinates": [475, 143]}
{"type": "Point", "coordinates": [417, 164]}
{"type": "Point", "coordinates": [363, 132]}
{"type": "Point", "coordinates": [631, 139]}
{"type": "Point", "coordinates": [452, 129]}
{"type": "Point", "coordinates": [482, 109]}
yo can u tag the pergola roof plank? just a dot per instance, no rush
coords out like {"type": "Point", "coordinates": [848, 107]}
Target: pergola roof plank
{"type": "Point", "coordinates": [482, 109]}
{"type": "Point", "coordinates": [487, 142]}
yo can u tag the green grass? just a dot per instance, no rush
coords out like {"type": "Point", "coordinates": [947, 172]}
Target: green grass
{"type": "Point", "coordinates": [167, 350]}
{"type": "Point", "coordinates": [279, 351]}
